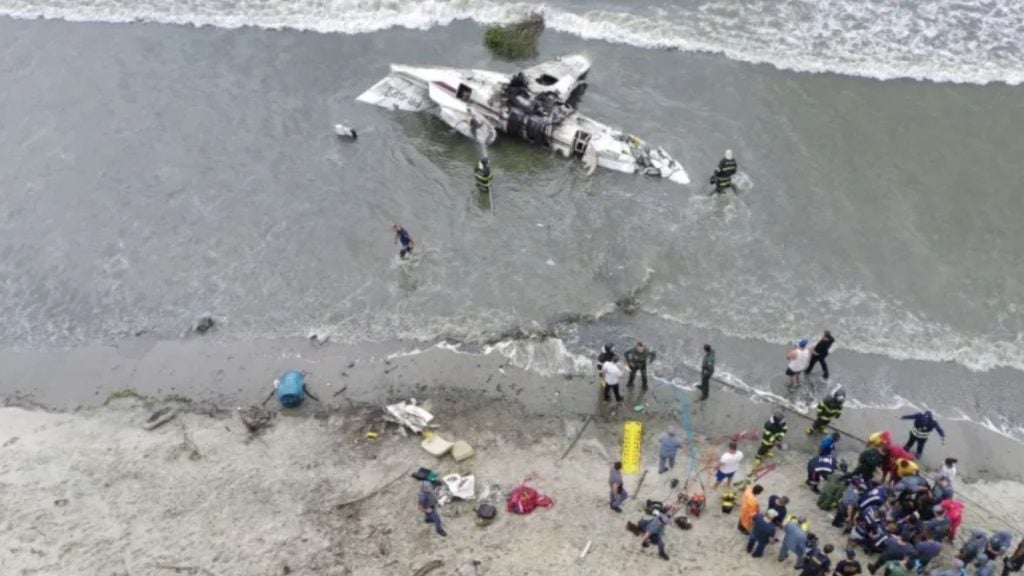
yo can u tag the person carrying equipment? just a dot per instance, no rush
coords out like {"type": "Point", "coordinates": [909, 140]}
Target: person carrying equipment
{"type": "Point", "coordinates": [924, 423]}
{"type": "Point", "coordinates": [483, 176]}
{"type": "Point", "coordinates": [722, 178]}
{"type": "Point", "coordinates": [637, 358]}
{"type": "Point", "coordinates": [771, 436]}
{"type": "Point", "coordinates": [830, 408]}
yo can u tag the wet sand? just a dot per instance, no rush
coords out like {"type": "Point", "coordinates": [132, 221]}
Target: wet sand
{"type": "Point", "coordinates": [88, 491]}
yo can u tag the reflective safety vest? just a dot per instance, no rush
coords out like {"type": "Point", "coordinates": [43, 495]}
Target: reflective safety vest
{"type": "Point", "coordinates": [724, 173]}
{"type": "Point", "coordinates": [829, 410]}
{"type": "Point", "coordinates": [772, 433]}
{"type": "Point", "coordinates": [483, 178]}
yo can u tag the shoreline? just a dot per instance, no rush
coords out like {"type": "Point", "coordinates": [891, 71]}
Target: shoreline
{"type": "Point", "coordinates": [216, 378]}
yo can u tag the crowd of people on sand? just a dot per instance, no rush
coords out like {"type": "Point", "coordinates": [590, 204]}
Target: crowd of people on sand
{"type": "Point", "coordinates": [885, 507]}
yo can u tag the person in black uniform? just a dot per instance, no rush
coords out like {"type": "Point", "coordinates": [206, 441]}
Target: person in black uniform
{"type": "Point", "coordinates": [819, 354]}
{"type": "Point", "coordinates": [722, 178]}
{"type": "Point", "coordinates": [483, 176]}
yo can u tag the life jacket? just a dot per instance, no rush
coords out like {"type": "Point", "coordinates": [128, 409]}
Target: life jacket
{"type": "Point", "coordinates": [483, 177]}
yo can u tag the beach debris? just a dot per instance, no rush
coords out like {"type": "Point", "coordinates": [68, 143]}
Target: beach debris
{"type": "Point", "coordinates": [340, 392]}
{"type": "Point", "coordinates": [428, 568]}
{"type": "Point", "coordinates": [372, 493]}
{"type": "Point", "coordinates": [345, 131]}
{"type": "Point", "coordinates": [524, 500]}
{"type": "Point", "coordinates": [586, 550]}
{"type": "Point", "coordinates": [318, 339]}
{"type": "Point", "coordinates": [60, 502]}
{"type": "Point", "coordinates": [408, 415]}
{"type": "Point", "coordinates": [485, 513]}
{"type": "Point", "coordinates": [160, 417]}
{"type": "Point", "coordinates": [256, 418]}
{"type": "Point", "coordinates": [577, 437]}
{"type": "Point", "coordinates": [10, 441]}
{"type": "Point", "coordinates": [371, 433]}
{"type": "Point", "coordinates": [204, 325]}
{"type": "Point", "coordinates": [461, 487]}
{"type": "Point", "coordinates": [461, 450]}
{"type": "Point", "coordinates": [187, 445]}
{"type": "Point", "coordinates": [436, 445]}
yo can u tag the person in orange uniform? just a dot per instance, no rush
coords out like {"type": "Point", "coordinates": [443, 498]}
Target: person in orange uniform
{"type": "Point", "coordinates": [749, 508]}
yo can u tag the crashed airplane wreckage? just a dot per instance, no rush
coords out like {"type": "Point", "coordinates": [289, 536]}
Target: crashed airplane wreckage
{"type": "Point", "coordinates": [537, 104]}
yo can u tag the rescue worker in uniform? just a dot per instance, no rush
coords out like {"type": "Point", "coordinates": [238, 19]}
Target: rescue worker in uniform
{"type": "Point", "coordinates": [483, 176]}
{"type": "Point", "coordinates": [637, 359]}
{"type": "Point", "coordinates": [924, 423]}
{"type": "Point", "coordinates": [771, 436]}
{"type": "Point", "coordinates": [722, 178]}
{"type": "Point", "coordinates": [830, 408]}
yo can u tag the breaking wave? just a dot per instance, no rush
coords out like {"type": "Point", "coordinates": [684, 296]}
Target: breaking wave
{"type": "Point", "coordinates": [962, 41]}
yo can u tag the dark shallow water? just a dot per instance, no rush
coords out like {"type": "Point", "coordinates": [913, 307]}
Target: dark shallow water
{"type": "Point", "coordinates": [150, 174]}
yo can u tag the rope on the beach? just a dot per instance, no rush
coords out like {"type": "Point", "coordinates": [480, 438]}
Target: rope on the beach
{"type": "Point", "coordinates": [684, 419]}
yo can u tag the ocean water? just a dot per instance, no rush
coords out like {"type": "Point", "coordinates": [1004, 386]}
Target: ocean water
{"type": "Point", "coordinates": [151, 173]}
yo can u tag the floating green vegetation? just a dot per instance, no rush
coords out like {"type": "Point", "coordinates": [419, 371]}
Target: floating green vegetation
{"type": "Point", "coordinates": [517, 40]}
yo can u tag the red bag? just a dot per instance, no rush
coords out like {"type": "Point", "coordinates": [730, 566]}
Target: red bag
{"type": "Point", "coordinates": [523, 500]}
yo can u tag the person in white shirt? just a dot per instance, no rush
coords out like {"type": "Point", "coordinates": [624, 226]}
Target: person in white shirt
{"type": "Point", "coordinates": [728, 464]}
{"type": "Point", "coordinates": [612, 376]}
{"type": "Point", "coordinates": [799, 359]}
{"type": "Point", "coordinates": [947, 471]}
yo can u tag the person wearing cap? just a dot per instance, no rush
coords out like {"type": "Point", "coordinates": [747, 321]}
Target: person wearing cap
{"type": "Point", "coordinates": [707, 369]}
{"type": "Point", "coordinates": [654, 529]}
{"type": "Point", "coordinates": [637, 359]}
{"type": "Point", "coordinates": [427, 504]}
{"type": "Point", "coordinates": [794, 540]}
{"type": "Point", "coordinates": [948, 470]}
{"type": "Point", "coordinates": [819, 354]}
{"type": "Point", "coordinates": [668, 445]}
{"type": "Point", "coordinates": [848, 566]}
{"type": "Point", "coordinates": [924, 423]}
{"type": "Point", "coordinates": [998, 544]}
{"type": "Point", "coordinates": [762, 533]}
{"type": "Point", "coordinates": [799, 358]}
{"type": "Point", "coordinates": [722, 178]}
{"type": "Point", "coordinates": [483, 176]}
{"type": "Point", "coordinates": [974, 546]}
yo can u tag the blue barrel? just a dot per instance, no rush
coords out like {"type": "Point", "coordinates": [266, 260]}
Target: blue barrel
{"type": "Point", "coordinates": [289, 388]}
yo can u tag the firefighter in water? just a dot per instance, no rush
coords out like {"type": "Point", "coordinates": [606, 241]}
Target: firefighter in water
{"type": "Point", "coordinates": [830, 408]}
{"type": "Point", "coordinates": [771, 436]}
{"type": "Point", "coordinates": [483, 176]}
{"type": "Point", "coordinates": [722, 178]}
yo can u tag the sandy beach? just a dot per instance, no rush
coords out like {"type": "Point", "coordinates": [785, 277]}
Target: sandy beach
{"type": "Point", "coordinates": [88, 491]}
